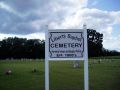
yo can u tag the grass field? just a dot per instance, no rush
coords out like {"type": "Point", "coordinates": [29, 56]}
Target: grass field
{"type": "Point", "coordinates": [102, 76]}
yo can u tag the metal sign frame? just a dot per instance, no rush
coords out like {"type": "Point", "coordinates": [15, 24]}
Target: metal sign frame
{"type": "Point", "coordinates": [84, 58]}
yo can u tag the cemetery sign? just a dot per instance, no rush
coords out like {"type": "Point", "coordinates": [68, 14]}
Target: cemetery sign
{"type": "Point", "coordinates": [64, 44]}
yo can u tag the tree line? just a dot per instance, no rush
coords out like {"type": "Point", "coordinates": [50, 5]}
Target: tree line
{"type": "Point", "coordinates": [22, 48]}
{"type": "Point", "coordinates": [17, 48]}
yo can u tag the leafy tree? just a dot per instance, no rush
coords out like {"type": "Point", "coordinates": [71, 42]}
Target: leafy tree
{"type": "Point", "coordinates": [95, 40]}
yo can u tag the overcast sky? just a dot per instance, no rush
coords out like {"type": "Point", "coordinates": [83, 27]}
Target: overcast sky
{"type": "Point", "coordinates": [28, 18]}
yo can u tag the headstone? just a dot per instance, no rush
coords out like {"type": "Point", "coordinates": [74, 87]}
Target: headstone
{"type": "Point", "coordinates": [8, 72]}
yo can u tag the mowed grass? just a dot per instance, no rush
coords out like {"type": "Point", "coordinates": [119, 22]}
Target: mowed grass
{"type": "Point", "coordinates": [102, 76]}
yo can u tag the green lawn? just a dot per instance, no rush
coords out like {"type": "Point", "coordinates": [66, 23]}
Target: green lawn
{"type": "Point", "coordinates": [103, 76]}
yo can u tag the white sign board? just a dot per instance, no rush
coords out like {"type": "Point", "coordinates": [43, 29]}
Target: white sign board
{"type": "Point", "coordinates": [65, 44]}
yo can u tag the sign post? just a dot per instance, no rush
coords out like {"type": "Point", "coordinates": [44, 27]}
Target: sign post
{"type": "Point", "coordinates": [86, 81]}
{"type": "Point", "coordinates": [46, 62]}
{"type": "Point", "coordinates": [66, 44]}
